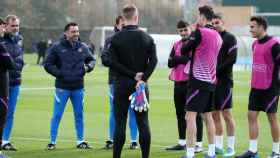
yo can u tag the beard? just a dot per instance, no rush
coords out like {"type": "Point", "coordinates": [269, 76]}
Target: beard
{"type": "Point", "coordinates": [75, 38]}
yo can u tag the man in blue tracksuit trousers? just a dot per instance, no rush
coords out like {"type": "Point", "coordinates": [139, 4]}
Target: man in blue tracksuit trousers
{"type": "Point", "coordinates": [132, 119]}
{"type": "Point", "coordinates": [12, 41]}
{"type": "Point", "coordinates": [68, 61]}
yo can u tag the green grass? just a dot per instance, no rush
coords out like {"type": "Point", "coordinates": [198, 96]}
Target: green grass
{"type": "Point", "coordinates": [34, 110]}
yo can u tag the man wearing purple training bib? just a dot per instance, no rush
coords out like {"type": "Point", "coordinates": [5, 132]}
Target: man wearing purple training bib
{"type": "Point", "coordinates": [264, 86]}
{"type": "Point", "coordinates": [179, 73]}
{"type": "Point", "coordinates": [205, 43]}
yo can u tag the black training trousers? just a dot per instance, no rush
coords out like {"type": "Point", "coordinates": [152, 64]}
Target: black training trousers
{"type": "Point", "coordinates": [121, 104]}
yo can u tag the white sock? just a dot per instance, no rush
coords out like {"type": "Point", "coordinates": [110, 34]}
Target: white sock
{"type": "Point", "coordinates": [53, 142]}
{"type": "Point", "coordinates": [190, 152]}
{"type": "Point", "coordinates": [219, 142]}
{"type": "Point", "coordinates": [182, 142]}
{"type": "Point", "coordinates": [275, 147]}
{"type": "Point", "coordinates": [231, 142]}
{"type": "Point", "coordinates": [253, 146]}
{"type": "Point", "coordinates": [198, 144]}
{"type": "Point", "coordinates": [4, 142]}
{"type": "Point", "coordinates": [211, 149]}
{"type": "Point", "coordinates": [80, 141]}
{"type": "Point", "coordinates": [133, 141]}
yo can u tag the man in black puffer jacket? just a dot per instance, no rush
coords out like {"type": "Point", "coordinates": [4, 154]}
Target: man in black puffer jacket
{"type": "Point", "coordinates": [68, 61]}
{"type": "Point", "coordinates": [12, 41]}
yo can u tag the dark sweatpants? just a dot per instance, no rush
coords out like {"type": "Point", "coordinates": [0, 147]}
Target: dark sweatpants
{"type": "Point", "coordinates": [121, 104]}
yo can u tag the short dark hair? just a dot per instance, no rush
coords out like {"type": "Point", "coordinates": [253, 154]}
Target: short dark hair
{"type": "Point", "coordinates": [2, 21]}
{"type": "Point", "coordinates": [260, 20]}
{"type": "Point", "coordinates": [182, 24]}
{"type": "Point", "coordinates": [129, 11]}
{"type": "Point", "coordinates": [218, 16]}
{"type": "Point", "coordinates": [66, 28]}
{"type": "Point", "coordinates": [207, 11]}
{"type": "Point", "coordinates": [118, 19]}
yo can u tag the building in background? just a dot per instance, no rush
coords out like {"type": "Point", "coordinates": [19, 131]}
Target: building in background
{"type": "Point", "coordinates": [268, 8]}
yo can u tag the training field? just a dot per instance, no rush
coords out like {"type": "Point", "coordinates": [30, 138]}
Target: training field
{"type": "Point", "coordinates": [34, 110]}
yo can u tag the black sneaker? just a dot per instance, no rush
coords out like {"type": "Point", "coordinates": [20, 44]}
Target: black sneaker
{"type": "Point", "coordinates": [248, 154]}
{"type": "Point", "coordinates": [9, 147]}
{"type": "Point", "coordinates": [51, 146]}
{"type": "Point", "coordinates": [176, 147]}
{"type": "Point", "coordinates": [84, 145]}
{"type": "Point", "coordinates": [109, 145]}
{"type": "Point", "coordinates": [133, 146]}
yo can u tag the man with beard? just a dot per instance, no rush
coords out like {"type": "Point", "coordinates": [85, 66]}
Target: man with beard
{"type": "Point", "coordinates": [179, 74]}
{"type": "Point", "coordinates": [68, 61]}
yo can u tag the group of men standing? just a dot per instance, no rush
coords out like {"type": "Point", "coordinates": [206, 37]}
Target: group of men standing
{"type": "Point", "coordinates": [201, 67]}
{"type": "Point", "coordinates": [222, 97]}
{"type": "Point", "coordinates": [68, 60]}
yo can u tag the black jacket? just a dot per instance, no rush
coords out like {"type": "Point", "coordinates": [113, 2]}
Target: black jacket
{"type": "Point", "coordinates": [132, 51]}
{"type": "Point", "coordinates": [6, 64]}
{"type": "Point", "coordinates": [67, 63]}
{"type": "Point", "coordinates": [174, 60]}
{"type": "Point", "coordinates": [226, 58]}
{"type": "Point", "coordinates": [105, 57]}
{"type": "Point", "coordinates": [14, 45]}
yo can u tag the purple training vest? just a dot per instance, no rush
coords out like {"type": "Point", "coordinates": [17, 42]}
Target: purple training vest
{"type": "Point", "coordinates": [177, 73]}
{"type": "Point", "coordinates": [205, 57]}
{"type": "Point", "coordinates": [263, 64]}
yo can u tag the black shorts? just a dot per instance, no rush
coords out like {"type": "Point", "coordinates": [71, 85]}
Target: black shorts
{"type": "Point", "coordinates": [261, 100]}
{"type": "Point", "coordinates": [199, 100]}
{"type": "Point", "coordinates": [223, 97]}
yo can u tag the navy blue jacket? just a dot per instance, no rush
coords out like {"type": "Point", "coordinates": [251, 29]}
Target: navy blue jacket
{"type": "Point", "coordinates": [67, 63]}
{"type": "Point", "coordinates": [14, 46]}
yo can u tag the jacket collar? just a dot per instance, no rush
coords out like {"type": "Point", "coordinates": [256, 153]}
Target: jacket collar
{"type": "Point", "coordinates": [130, 27]}
{"type": "Point", "coordinates": [74, 45]}
{"type": "Point", "coordinates": [13, 38]}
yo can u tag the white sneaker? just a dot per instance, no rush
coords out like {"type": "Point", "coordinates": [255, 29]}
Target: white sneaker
{"type": "Point", "coordinates": [198, 149]}
{"type": "Point", "coordinates": [229, 152]}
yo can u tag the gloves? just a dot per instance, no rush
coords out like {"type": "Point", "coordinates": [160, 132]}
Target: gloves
{"type": "Point", "coordinates": [138, 99]}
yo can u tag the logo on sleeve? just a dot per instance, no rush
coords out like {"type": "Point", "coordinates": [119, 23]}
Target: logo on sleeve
{"type": "Point", "coordinates": [80, 50]}
{"type": "Point", "coordinates": [20, 43]}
